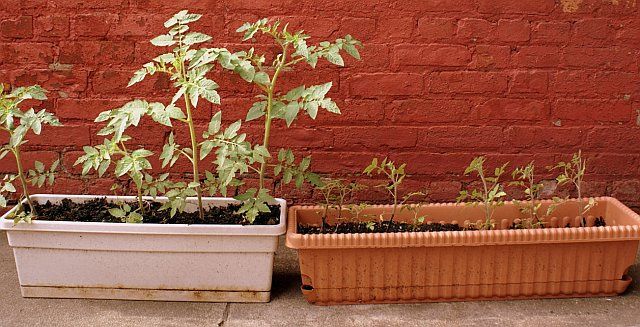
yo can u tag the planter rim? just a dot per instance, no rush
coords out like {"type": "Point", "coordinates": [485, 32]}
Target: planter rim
{"type": "Point", "coordinates": [158, 229]}
{"type": "Point", "coordinates": [295, 240]}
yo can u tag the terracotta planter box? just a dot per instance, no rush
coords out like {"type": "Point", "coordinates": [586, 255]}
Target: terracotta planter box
{"type": "Point", "coordinates": [210, 263]}
{"type": "Point", "coordinates": [468, 265]}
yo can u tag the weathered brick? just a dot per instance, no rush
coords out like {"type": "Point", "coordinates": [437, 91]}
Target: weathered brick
{"type": "Point", "coordinates": [491, 56]}
{"type": "Point", "coordinates": [97, 53]}
{"type": "Point", "coordinates": [360, 138]}
{"type": "Point", "coordinates": [395, 28]}
{"type": "Point", "coordinates": [383, 84]}
{"type": "Point", "coordinates": [513, 30]}
{"type": "Point", "coordinates": [537, 57]}
{"type": "Point", "coordinates": [497, 109]}
{"type": "Point", "coordinates": [428, 111]}
{"type": "Point", "coordinates": [468, 82]}
{"type": "Point", "coordinates": [460, 138]}
{"type": "Point", "coordinates": [18, 28]}
{"type": "Point", "coordinates": [589, 111]}
{"type": "Point", "coordinates": [436, 29]}
{"type": "Point", "coordinates": [53, 25]}
{"type": "Point", "coordinates": [521, 7]}
{"type": "Point", "coordinates": [474, 30]}
{"type": "Point", "coordinates": [529, 82]}
{"type": "Point", "coordinates": [432, 55]}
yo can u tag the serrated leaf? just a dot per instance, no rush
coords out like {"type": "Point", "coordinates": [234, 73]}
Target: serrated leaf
{"type": "Point", "coordinates": [163, 41]}
{"type": "Point", "coordinates": [256, 111]}
{"type": "Point", "coordinates": [195, 37]}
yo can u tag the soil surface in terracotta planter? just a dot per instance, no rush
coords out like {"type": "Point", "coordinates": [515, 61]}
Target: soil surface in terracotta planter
{"type": "Point", "coordinates": [97, 210]}
{"type": "Point", "coordinates": [398, 227]}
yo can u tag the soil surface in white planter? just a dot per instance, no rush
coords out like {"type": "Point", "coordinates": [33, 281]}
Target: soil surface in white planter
{"type": "Point", "coordinates": [97, 210]}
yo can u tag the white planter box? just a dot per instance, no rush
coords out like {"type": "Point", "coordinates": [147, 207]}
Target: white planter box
{"type": "Point", "coordinates": [179, 262]}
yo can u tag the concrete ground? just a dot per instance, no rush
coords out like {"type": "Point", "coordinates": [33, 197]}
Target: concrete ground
{"type": "Point", "coordinates": [288, 308]}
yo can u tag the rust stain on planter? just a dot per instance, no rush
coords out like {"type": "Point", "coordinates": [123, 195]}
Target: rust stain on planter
{"type": "Point", "coordinates": [469, 265]}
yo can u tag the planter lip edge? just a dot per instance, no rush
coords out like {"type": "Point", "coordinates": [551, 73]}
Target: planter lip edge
{"type": "Point", "coordinates": [147, 229]}
{"type": "Point", "coordinates": [294, 240]}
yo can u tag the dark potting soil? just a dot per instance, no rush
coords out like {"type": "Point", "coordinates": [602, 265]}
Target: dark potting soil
{"type": "Point", "coordinates": [377, 227]}
{"type": "Point", "coordinates": [383, 227]}
{"type": "Point", "coordinates": [97, 210]}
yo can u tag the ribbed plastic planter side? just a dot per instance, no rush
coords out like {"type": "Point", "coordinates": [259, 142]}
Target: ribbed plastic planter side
{"type": "Point", "coordinates": [210, 263]}
{"type": "Point", "coordinates": [468, 265]}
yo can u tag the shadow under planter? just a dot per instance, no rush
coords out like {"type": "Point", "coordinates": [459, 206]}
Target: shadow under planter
{"type": "Point", "coordinates": [499, 264]}
{"type": "Point", "coordinates": [161, 262]}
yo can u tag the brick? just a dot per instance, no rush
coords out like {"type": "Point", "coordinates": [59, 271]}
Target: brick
{"type": "Point", "coordinates": [28, 159]}
{"type": "Point", "coordinates": [529, 82]}
{"type": "Point", "coordinates": [544, 139]}
{"type": "Point", "coordinates": [551, 32]}
{"type": "Point", "coordinates": [363, 29]}
{"type": "Point", "coordinates": [428, 111]}
{"type": "Point", "coordinates": [395, 28]}
{"type": "Point", "coordinates": [66, 185]}
{"type": "Point", "coordinates": [115, 81]}
{"type": "Point", "coordinates": [27, 53]}
{"type": "Point", "coordinates": [436, 29]}
{"type": "Point", "coordinates": [511, 109]}
{"type": "Point", "coordinates": [593, 31]}
{"type": "Point", "coordinates": [321, 27]}
{"type": "Point", "coordinates": [435, 164]}
{"type": "Point", "coordinates": [594, 83]}
{"type": "Point", "coordinates": [91, 4]}
{"type": "Point", "coordinates": [537, 57]}
{"type": "Point", "coordinates": [97, 53]}
{"type": "Point", "coordinates": [353, 112]}
{"type": "Point", "coordinates": [138, 25]}
{"type": "Point", "coordinates": [613, 138]}
{"type": "Point", "coordinates": [66, 81]}
{"type": "Point", "coordinates": [612, 164]}
{"type": "Point", "coordinates": [614, 58]}
{"type": "Point", "coordinates": [64, 136]}
{"type": "Point", "coordinates": [94, 25]}
{"type": "Point", "coordinates": [490, 56]}
{"type": "Point", "coordinates": [53, 25]}
{"type": "Point", "coordinates": [444, 191]}
{"type": "Point", "coordinates": [374, 138]}
{"type": "Point", "coordinates": [513, 30]}
{"type": "Point", "coordinates": [84, 109]}
{"type": "Point", "coordinates": [18, 28]}
{"type": "Point", "coordinates": [435, 5]}
{"type": "Point", "coordinates": [468, 82]}
{"type": "Point", "coordinates": [474, 30]}
{"type": "Point", "coordinates": [626, 190]}
{"type": "Point", "coordinates": [432, 55]}
{"type": "Point", "coordinates": [384, 84]}
{"type": "Point", "coordinates": [458, 138]}
{"type": "Point", "coordinates": [521, 7]}
{"type": "Point", "coordinates": [592, 111]}
{"type": "Point", "coordinates": [297, 137]}
{"type": "Point", "coordinates": [339, 162]}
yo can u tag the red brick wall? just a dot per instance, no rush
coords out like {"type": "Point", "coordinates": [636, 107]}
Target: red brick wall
{"type": "Point", "coordinates": [441, 81]}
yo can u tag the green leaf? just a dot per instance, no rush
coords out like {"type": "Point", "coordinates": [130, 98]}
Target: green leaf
{"type": "Point", "coordinates": [291, 112]}
{"type": "Point", "coordinates": [195, 37]}
{"type": "Point", "coordinates": [261, 78]}
{"type": "Point", "coordinates": [39, 166]}
{"type": "Point", "coordinates": [215, 123]}
{"type": "Point", "coordinates": [163, 41]}
{"type": "Point", "coordinates": [335, 58]}
{"type": "Point", "coordinates": [117, 212]}
{"type": "Point", "coordinates": [351, 50]}
{"type": "Point", "coordinates": [256, 111]}
{"type": "Point", "coordinates": [138, 76]}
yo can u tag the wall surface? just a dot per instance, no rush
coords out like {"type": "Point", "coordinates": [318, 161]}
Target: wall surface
{"type": "Point", "coordinates": [441, 81]}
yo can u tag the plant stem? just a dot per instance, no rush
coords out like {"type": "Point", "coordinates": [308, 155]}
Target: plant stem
{"type": "Point", "coordinates": [23, 180]}
{"type": "Point", "coordinates": [487, 209]}
{"type": "Point", "coordinates": [195, 155]}
{"type": "Point", "coordinates": [140, 202]}
{"type": "Point", "coordinates": [267, 123]}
